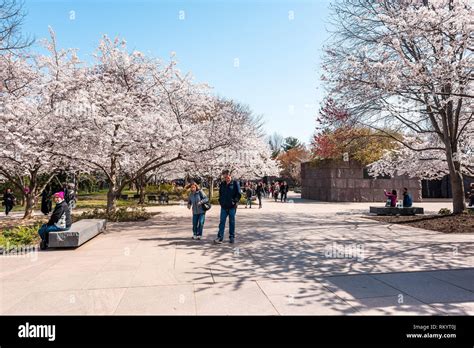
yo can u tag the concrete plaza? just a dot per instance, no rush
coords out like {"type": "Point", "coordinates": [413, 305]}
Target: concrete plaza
{"type": "Point", "coordinates": [302, 258]}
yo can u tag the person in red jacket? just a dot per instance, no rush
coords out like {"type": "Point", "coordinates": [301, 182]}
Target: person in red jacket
{"type": "Point", "coordinates": [392, 196]}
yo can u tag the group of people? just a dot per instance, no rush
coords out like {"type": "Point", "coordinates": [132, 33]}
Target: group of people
{"type": "Point", "coordinates": [9, 199]}
{"type": "Point", "coordinates": [392, 198]}
{"type": "Point", "coordinates": [279, 189]}
{"type": "Point", "coordinates": [254, 191]}
{"type": "Point", "coordinates": [229, 197]}
{"type": "Point", "coordinates": [60, 219]}
{"type": "Point", "coordinates": [276, 190]}
{"type": "Point", "coordinates": [230, 194]}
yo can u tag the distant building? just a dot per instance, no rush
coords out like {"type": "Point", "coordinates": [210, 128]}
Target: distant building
{"type": "Point", "coordinates": [442, 188]}
{"type": "Point", "coordinates": [339, 181]}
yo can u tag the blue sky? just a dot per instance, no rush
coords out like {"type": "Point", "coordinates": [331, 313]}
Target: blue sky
{"type": "Point", "coordinates": [264, 53]}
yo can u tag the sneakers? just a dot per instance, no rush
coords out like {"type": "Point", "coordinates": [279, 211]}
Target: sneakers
{"type": "Point", "coordinates": [217, 241]}
{"type": "Point", "coordinates": [199, 237]}
{"type": "Point", "coordinates": [195, 237]}
{"type": "Point", "coordinates": [231, 240]}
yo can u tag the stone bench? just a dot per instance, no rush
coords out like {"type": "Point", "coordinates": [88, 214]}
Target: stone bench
{"type": "Point", "coordinates": [79, 233]}
{"type": "Point", "coordinates": [396, 211]}
{"type": "Point", "coordinates": [152, 198]}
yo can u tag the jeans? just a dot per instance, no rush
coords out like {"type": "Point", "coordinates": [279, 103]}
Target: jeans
{"type": "Point", "coordinates": [249, 202]}
{"type": "Point", "coordinates": [45, 229]}
{"type": "Point", "coordinates": [259, 201]}
{"type": "Point", "coordinates": [231, 214]}
{"type": "Point", "coordinates": [8, 208]}
{"type": "Point", "coordinates": [198, 224]}
{"type": "Point", "coordinates": [283, 196]}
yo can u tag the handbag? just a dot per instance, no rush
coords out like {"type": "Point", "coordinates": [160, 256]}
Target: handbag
{"type": "Point", "coordinates": [205, 206]}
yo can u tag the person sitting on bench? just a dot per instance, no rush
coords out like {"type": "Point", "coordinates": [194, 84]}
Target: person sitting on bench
{"type": "Point", "coordinates": [392, 198]}
{"type": "Point", "coordinates": [60, 219]}
{"type": "Point", "coordinates": [407, 199]}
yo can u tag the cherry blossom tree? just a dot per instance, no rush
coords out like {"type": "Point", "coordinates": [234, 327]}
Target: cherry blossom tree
{"type": "Point", "coordinates": [31, 88]}
{"type": "Point", "coordinates": [126, 116]}
{"type": "Point", "coordinates": [407, 66]}
{"type": "Point", "coordinates": [235, 142]}
{"type": "Point", "coordinates": [427, 164]}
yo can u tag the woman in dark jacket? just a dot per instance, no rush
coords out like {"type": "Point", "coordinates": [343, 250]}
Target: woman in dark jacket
{"type": "Point", "coordinates": [8, 201]}
{"type": "Point", "coordinates": [46, 203]}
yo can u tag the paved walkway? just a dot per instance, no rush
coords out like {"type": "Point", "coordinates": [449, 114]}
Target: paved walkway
{"type": "Point", "coordinates": [295, 258]}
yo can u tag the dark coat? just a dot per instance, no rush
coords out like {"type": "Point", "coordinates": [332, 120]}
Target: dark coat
{"type": "Point", "coordinates": [61, 215]}
{"type": "Point", "coordinates": [8, 199]}
{"type": "Point", "coordinates": [229, 194]}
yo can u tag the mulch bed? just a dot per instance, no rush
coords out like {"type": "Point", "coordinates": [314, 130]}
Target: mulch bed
{"type": "Point", "coordinates": [462, 223]}
{"type": "Point", "coordinates": [7, 224]}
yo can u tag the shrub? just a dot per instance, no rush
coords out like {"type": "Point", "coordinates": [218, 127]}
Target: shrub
{"type": "Point", "coordinates": [444, 211]}
{"type": "Point", "coordinates": [120, 215]}
{"type": "Point", "coordinates": [19, 236]}
{"type": "Point", "coordinates": [168, 188]}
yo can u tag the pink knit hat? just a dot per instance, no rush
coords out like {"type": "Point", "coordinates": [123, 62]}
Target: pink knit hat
{"type": "Point", "coordinates": [59, 194]}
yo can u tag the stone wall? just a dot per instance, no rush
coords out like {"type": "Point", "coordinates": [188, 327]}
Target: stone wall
{"type": "Point", "coordinates": [338, 181]}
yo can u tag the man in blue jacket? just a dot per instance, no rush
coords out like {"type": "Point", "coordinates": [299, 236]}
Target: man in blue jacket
{"type": "Point", "coordinates": [229, 197]}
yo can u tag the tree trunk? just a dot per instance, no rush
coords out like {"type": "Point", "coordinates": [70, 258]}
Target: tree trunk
{"type": "Point", "coordinates": [30, 196]}
{"type": "Point", "coordinates": [141, 188]}
{"type": "Point", "coordinates": [111, 198]}
{"type": "Point", "coordinates": [457, 186]}
{"type": "Point", "coordinates": [30, 205]}
{"type": "Point", "coordinates": [113, 193]}
{"type": "Point", "coordinates": [455, 175]}
{"type": "Point", "coordinates": [211, 187]}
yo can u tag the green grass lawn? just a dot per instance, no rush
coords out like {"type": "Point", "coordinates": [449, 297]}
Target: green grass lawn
{"type": "Point", "coordinates": [98, 200]}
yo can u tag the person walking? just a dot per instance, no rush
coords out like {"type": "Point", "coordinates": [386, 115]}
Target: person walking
{"type": "Point", "coordinates": [8, 200]}
{"type": "Point", "coordinates": [260, 191]}
{"type": "Point", "coordinates": [248, 195]}
{"type": "Point", "coordinates": [60, 220]}
{"type": "Point", "coordinates": [284, 191]}
{"type": "Point", "coordinates": [46, 203]}
{"type": "Point", "coordinates": [229, 197]}
{"type": "Point", "coordinates": [197, 201]}
{"type": "Point", "coordinates": [276, 191]}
